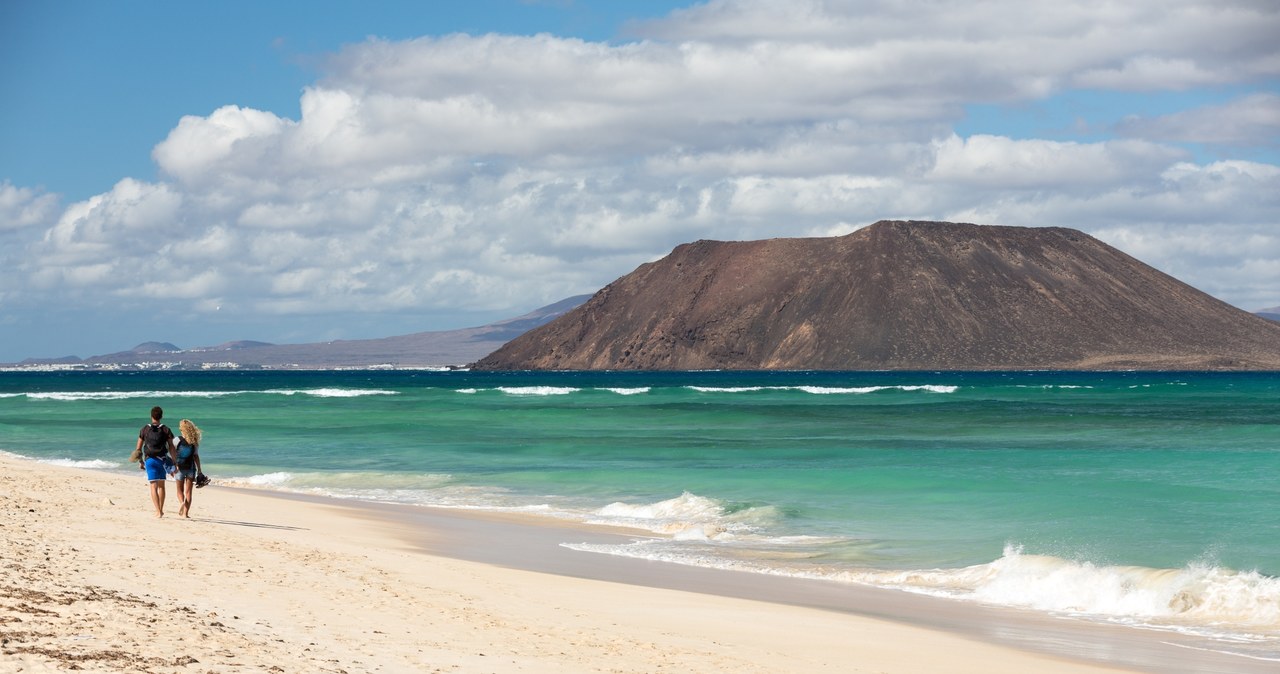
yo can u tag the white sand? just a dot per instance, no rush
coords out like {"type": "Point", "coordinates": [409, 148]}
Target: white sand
{"type": "Point", "coordinates": [255, 583]}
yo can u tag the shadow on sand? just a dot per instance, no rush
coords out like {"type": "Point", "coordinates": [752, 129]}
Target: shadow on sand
{"type": "Point", "coordinates": [259, 525]}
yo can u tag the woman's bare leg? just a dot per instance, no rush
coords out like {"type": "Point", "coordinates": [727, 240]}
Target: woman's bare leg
{"type": "Point", "coordinates": [184, 493]}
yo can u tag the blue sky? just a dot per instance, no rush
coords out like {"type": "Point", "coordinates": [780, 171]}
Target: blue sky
{"type": "Point", "coordinates": [1093, 115]}
{"type": "Point", "coordinates": [93, 86]}
{"type": "Point", "coordinates": [247, 170]}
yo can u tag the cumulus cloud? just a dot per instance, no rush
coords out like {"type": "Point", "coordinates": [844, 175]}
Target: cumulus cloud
{"type": "Point", "coordinates": [499, 172]}
{"type": "Point", "coordinates": [22, 207]}
{"type": "Point", "coordinates": [217, 144]}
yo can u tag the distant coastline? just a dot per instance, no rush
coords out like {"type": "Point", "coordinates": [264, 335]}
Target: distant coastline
{"type": "Point", "coordinates": [432, 350]}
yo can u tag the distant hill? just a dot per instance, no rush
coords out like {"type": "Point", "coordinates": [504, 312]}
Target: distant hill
{"type": "Point", "coordinates": [422, 349]}
{"type": "Point", "coordinates": [899, 295]}
{"type": "Point", "coordinates": [1272, 314]}
{"type": "Point", "coordinates": [154, 347]}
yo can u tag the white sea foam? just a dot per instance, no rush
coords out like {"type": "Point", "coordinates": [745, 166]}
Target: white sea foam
{"type": "Point", "coordinates": [537, 390]}
{"type": "Point", "coordinates": [832, 390]}
{"type": "Point", "coordinates": [698, 553]}
{"type": "Point", "coordinates": [127, 395]}
{"type": "Point", "coordinates": [333, 392]}
{"type": "Point", "coordinates": [434, 490]}
{"type": "Point", "coordinates": [816, 390]}
{"type": "Point", "coordinates": [124, 395]}
{"type": "Point", "coordinates": [557, 390]}
{"type": "Point", "coordinates": [1195, 596]}
{"type": "Point", "coordinates": [1238, 606]}
{"type": "Point", "coordinates": [931, 388]}
{"type": "Point", "coordinates": [828, 390]}
{"type": "Point", "coordinates": [269, 480]}
{"type": "Point", "coordinates": [92, 464]}
{"type": "Point", "coordinates": [337, 484]}
{"type": "Point", "coordinates": [687, 517]}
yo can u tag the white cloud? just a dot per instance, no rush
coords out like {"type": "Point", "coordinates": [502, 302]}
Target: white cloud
{"type": "Point", "coordinates": [132, 215]}
{"type": "Point", "coordinates": [1252, 120]}
{"type": "Point", "coordinates": [499, 172]}
{"type": "Point", "coordinates": [1008, 47]}
{"type": "Point", "coordinates": [1000, 162]}
{"type": "Point", "coordinates": [22, 207]}
{"type": "Point", "coordinates": [1239, 261]}
{"type": "Point", "coordinates": [229, 140]}
{"type": "Point", "coordinates": [1213, 226]}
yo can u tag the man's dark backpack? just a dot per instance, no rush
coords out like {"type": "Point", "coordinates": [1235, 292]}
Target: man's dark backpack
{"type": "Point", "coordinates": [155, 439]}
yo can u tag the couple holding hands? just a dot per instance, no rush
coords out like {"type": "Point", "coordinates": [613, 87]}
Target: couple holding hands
{"type": "Point", "coordinates": [160, 453]}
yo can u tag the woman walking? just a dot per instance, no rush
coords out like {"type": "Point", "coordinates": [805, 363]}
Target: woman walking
{"type": "Point", "coordinates": [188, 460]}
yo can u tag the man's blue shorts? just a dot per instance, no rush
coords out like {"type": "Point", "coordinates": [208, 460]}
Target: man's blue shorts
{"type": "Point", "coordinates": [156, 468]}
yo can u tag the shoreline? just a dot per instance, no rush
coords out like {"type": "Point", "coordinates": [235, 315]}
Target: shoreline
{"type": "Point", "coordinates": [260, 579]}
{"type": "Point", "coordinates": [506, 539]}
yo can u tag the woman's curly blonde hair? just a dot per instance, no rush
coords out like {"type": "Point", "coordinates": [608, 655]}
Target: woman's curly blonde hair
{"type": "Point", "coordinates": [189, 432]}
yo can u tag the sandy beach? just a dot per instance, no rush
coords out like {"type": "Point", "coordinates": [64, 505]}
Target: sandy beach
{"type": "Point", "coordinates": [257, 582]}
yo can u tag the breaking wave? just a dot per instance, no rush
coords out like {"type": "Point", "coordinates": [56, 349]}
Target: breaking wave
{"type": "Point", "coordinates": [1198, 594]}
{"type": "Point", "coordinates": [687, 517]}
{"type": "Point", "coordinates": [537, 390]}
{"type": "Point", "coordinates": [629, 391]}
{"type": "Point", "coordinates": [556, 390]}
{"type": "Point", "coordinates": [1200, 599]}
{"type": "Point", "coordinates": [827, 390]}
{"type": "Point", "coordinates": [92, 464]}
{"type": "Point", "coordinates": [128, 395]}
{"type": "Point", "coordinates": [333, 392]}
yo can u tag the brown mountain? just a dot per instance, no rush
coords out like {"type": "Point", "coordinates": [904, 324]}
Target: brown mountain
{"type": "Point", "coordinates": [899, 295]}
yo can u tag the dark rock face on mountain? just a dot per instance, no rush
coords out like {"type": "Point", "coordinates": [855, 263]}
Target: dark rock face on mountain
{"type": "Point", "coordinates": [899, 295]}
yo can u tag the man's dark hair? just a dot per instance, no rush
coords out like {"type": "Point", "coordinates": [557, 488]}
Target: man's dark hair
{"type": "Point", "coordinates": [157, 413]}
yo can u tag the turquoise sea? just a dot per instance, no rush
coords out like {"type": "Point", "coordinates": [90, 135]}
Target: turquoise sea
{"type": "Point", "coordinates": [1149, 499]}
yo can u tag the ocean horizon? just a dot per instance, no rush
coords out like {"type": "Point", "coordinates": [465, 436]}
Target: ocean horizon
{"type": "Point", "coordinates": [1145, 499]}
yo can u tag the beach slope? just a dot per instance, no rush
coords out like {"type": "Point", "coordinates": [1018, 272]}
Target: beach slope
{"type": "Point", "coordinates": [256, 583]}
